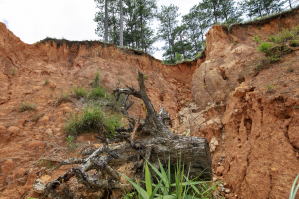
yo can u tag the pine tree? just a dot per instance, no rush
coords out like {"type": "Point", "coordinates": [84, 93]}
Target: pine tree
{"type": "Point", "coordinates": [182, 44]}
{"type": "Point", "coordinates": [212, 8]}
{"type": "Point", "coordinates": [260, 8]}
{"type": "Point", "coordinates": [168, 22]}
{"type": "Point", "coordinates": [121, 31]}
{"type": "Point", "coordinates": [229, 12]}
{"type": "Point", "coordinates": [197, 22]}
{"type": "Point", "coordinates": [112, 27]}
{"type": "Point", "coordinates": [145, 13]}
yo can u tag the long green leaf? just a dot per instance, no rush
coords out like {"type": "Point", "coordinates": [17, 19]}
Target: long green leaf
{"type": "Point", "coordinates": [165, 179]}
{"type": "Point", "coordinates": [192, 185]}
{"type": "Point", "coordinates": [148, 180]}
{"type": "Point", "coordinates": [156, 189]}
{"type": "Point", "coordinates": [140, 190]}
{"type": "Point", "coordinates": [292, 193]}
{"type": "Point", "coordinates": [167, 197]}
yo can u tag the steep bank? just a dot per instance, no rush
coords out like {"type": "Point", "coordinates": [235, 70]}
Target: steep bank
{"type": "Point", "coordinates": [256, 130]}
{"type": "Point", "coordinates": [255, 124]}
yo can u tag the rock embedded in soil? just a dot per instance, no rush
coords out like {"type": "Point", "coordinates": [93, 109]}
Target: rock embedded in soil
{"type": "Point", "coordinates": [219, 170]}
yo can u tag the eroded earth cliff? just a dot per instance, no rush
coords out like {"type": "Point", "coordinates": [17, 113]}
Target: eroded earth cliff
{"type": "Point", "coordinates": [251, 119]}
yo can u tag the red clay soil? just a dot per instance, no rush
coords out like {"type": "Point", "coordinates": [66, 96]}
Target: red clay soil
{"type": "Point", "coordinates": [255, 117]}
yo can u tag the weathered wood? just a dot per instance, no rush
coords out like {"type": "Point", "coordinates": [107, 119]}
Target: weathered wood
{"type": "Point", "coordinates": [151, 139]}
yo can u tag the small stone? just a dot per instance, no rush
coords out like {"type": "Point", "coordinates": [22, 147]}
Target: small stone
{"type": "Point", "coordinates": [52, 85]}
{"type": "Point", "coordinates": [59, 134]}
{"type": "Point", "coordinates": [35, 131]}
{"type": "Point", "coordinates": [21, 122]}
{"type": "Point", "coordinates": [227, 191]}
{"type": "Point", "coordinates": [29, 92]}
{"type": "Point", "coordinates": [7, 167]}
{"type": "Point", "coordinates": [38, 137]}
{"type": "Point", "coordinates": [36, 88]}
{"type": "Point", "coordinates": [13, 130]}
{"type": "Point", "coordinates": [236, 110]}
{"type": "Point", "coordinates": [67, 110]}
{"type": "Point", "coordinates": [43, 121]}
{"type": "Point", "coordinates": [19, 173]}
{"type": "Point", "coordinates": [214, 179]}
{"type": "Point", "coordinates": [40, 108]}
{"type": "Point", "coordinates": [2, 129]}
{"type": "Point", "coordinates": [38, 186]}
{"type": "Point", "coordinates": [219, 170]}
{"type": "Point", "coordinates": [49, 131]}
{"type": "Point", "coordinates": [3, 100]}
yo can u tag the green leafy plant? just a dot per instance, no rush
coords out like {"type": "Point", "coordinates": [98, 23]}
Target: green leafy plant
{"type": "Point", "coordinates": [294, 189]}
{"type": "Point", "coordinates": [144, 77]}
{"type": "Point", "coordinates": [234, 43]}
{"type": "Point", "coordinates": [178, 188]}
{"type": "Point", "coordinates": [111, 123]}
{"type": "Point", "coordinates": [25, 106]}
{"type": "Point", "coordinates": [69, 139]}
{"type": "Point", "coordinates": [256, 39]}
{"type": "Point", "coordinates": [144, 108]}
{"type": "Point", "coordinates": [205, 87]}
{"type": "Point", "coordinates": [287, 34]}
{"type": "Point", "coordinates": [295, 43]}
{"type": "Point", "coordinates": [12, 71]}
{"type": "Point", "coordinates": [97, 92]}
{"type": "Point", "coordinates": [47, 82]}
{"type": "Point", "coordinates": [97, 77]}
{"type": "Point", "coordinates": [264, 47]}
{"type": "Point", "coordinates": [79, 92]}
{"type": "Point", "coordinates": [259, 27]}
{"type": "Point", "coordinates": [272, 38]}
{"type": "Point", "coordinates": [187, 134]}
{"type": "Point", "coordinates": [269, 87]}
{"type": "Point", "coordinates": [295, 107]}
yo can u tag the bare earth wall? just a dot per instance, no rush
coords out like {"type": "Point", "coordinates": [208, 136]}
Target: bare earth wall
{"type": "Point", "coordinates": [257, 130]}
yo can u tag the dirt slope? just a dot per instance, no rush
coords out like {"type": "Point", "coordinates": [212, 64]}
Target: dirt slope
{"type": "Point", "coordinates": [253, 132]}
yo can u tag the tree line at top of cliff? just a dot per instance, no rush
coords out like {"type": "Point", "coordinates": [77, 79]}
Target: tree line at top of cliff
{"type": "Point", "coordinates": [129, 23]}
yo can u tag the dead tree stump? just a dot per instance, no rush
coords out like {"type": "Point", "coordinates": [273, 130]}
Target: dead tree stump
{"type": "Point", "coordinates": [150, 138]}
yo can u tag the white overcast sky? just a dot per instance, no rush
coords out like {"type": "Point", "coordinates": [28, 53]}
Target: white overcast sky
{"type": "Point", "coordinates": [34, 20]}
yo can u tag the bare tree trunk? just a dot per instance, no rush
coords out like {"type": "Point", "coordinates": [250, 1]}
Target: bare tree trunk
{"type": "Point", "coordinates": [106, 21]}
{"type": "Point", "coordinates": [121, 25]}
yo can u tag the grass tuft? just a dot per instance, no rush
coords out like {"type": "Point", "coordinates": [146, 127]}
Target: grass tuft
{"type": "Point", "coordinates": [47, 82]}
{"type": "Point", "coordinates": [295, 43]}
{"type": "Point", "coordinates": [112, 122]}
{"type": "Point", "coordinates": [97, 93]}
{"type": "Point", "coordinates": [286, 35]}
{"type": "Point", "coordinates": [79, 92]}
{"type": "Point", "coordinates": [264, 47]}
{"type": "Point", "coordinates": [256, 39]}
{"type": "Point", "coordinates": [25, 106]}
{"type": "Point", "coordinates": [63, 98]}
{"type": "Point", "coordinates": [91, 119]}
